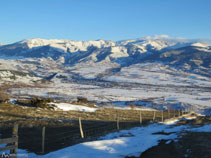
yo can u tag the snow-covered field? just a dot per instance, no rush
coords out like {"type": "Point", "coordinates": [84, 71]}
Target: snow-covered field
{"type": "Point", "coordinates": [158, 74]}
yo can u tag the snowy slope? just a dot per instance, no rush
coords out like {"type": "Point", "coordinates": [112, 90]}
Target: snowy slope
{"type": "Point", "coordinates": [202, 45]}
{"type": "Point", "coordinates": [65, 45]}
{"type": "Point", "coordinates": [11, 76]}
{"type": "Point", "coordinates": [157, 42]}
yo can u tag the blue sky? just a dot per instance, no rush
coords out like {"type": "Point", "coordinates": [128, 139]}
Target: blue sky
{"type": "Point", "coordinates": [103, 19]}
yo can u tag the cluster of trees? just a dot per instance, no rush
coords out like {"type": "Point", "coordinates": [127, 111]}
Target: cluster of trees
{"type": "Point", "coordinates": [40, 103]}
{"type": "Point", "coordinates": [82, 100]}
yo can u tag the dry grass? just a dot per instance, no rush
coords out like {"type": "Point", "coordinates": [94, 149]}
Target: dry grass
{"type": "Point", "coordinates": [13, 113]}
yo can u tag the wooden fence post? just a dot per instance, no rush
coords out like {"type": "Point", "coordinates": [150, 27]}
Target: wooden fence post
{"type": "Point", "coordinates": [81, 129]}
{"type": "Point", "coordinates": [162, 117]}
{"type": "Point", "coordinates": [117, 119]}
{"type": "Point", "coordinates": [168, 114]}
{"type": "Point", "coordinates": [14, 152]}
{"type": "Point", "coordinates": [154, 116]}
{"type": "Point", "coordinates": [192, 108]}
{"type": "Point", "coordinates": [140, 117]}
{"type": "Point", "coordinates": [43, 139]}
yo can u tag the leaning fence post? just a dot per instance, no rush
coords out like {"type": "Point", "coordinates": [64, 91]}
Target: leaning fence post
{"type": "Point", "coordinates": [117, 119]}
{"type": "Point", "coordinates": [81, 129]}
{"type": "Point", "coordinates": [43, 139]}
{"type": "Point", "coordinates": [14, 151]}
{"type": "Point", "coordinates": [140, 117]}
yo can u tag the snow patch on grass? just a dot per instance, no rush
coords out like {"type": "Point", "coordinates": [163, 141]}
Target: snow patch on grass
{"type": "Point", "coordinates": [72, 107]}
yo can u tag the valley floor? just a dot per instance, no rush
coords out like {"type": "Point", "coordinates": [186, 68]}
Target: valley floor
{"type": "Point", "coordinates": [162, 86]}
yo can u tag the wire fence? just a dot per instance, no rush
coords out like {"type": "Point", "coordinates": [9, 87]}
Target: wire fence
{"type": "Point", "coordinates": [42, 140]}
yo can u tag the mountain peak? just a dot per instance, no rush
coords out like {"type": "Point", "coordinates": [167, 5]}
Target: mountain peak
{"type": "Point", "coordinates": [35, 42]}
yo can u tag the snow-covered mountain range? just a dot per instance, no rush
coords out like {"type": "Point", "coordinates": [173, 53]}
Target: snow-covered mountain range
{"type": "Point", "coordinates": [185, 53]}
{"type": "Point", "coordinates": [96, 50]}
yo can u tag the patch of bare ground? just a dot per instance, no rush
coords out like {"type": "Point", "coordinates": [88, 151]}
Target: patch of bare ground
{"type": "Point", "coordinates": [200, 120]}
{"type": "Point", "coordinates": [188, 144]}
